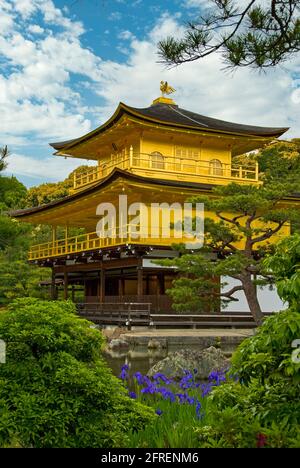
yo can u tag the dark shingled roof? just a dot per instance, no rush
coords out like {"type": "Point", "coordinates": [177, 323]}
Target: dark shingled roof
{"type": "Point", "coordinates": [174, 115]}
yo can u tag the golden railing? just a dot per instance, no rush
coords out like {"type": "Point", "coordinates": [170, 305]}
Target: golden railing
{"type": "Point", "coordinates": [91, 242]}
{"type": "Point", "coordinates": [168, 166]}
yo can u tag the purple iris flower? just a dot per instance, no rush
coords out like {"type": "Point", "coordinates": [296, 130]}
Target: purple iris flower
{"type": "Point", "coordinates": [124, 374]}
{"type": "Point", "coordinates": [159, 412]}
{"type": "Point", "coordinates": [217, 376]}
{"type": "Point", "coordinates": [132, 395]}
{"type": "Point", "coordinates": [150, 389]}
{"type": "Point", "coordinates": [198, 408]}
{"type": "Point", "coordinates": [206, 389]}
{"type": "Point", "coordinates": [139, 377]}
{"type": "Point", "coordinates": [187, 380]}
{"type": "Point", "coordinates": [169, 396]}
{"type": "Point", "coordinates": [159, 376]}
{"type": "Point", "coordinates": [181, 397]}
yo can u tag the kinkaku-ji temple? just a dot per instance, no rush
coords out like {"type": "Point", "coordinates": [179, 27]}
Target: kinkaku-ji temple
{"type": "Point", "coordinates": [159, 154]}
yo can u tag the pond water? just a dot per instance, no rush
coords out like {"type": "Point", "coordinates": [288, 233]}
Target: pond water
{"type": "Point", "coordinates": [141, 359]}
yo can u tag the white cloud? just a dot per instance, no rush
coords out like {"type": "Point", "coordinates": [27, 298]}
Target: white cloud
{"type": "Point", "coordinates": [55, 168]}
{"type": "Point", "coordinates": [6, 17]}
{"type": "Point", "coordinates": [51, 14]}
{"type": "Point", "coordinates": [203, 86]}
{"type": "Point", "coordinates": [39, 102]}
{"type": "Point", "coordinates": [211, 4]}
{"type": "Point", "coordinates": [115, 16]}
{"type": "Point", "coordinates": [36, 92]}
{"type": "Point", "coordinates": [35, 29]}
{"type": "Point", "coordinates": [126, 35]}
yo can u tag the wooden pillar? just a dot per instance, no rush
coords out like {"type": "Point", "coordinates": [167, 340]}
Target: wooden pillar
{"type": "Point", "coordinates": [140, 278]}
{"type": "Point", "coordinates": [66, 238]}
{"type": "Point", "coordinates": [121, 285]}
{"type": "Point", "coordinates": [66, 284]}
{"type": "Point", "coordinates": [160, 284]}
{"type": "Point", "coordinates": [53, 286]}
{"type": "Point", "coordinates": [54, 234]}
{"type": "Point", "coordinates": [147, 285]}
{"type": "Point", "coordinates": [102, 284]}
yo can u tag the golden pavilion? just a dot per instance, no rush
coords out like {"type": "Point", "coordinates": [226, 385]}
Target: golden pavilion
{"type": "Point", "coordinates": [160, 154]}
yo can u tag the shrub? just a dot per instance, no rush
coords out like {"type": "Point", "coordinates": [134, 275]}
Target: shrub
{"type": "Point", "coordinates": [262, 409]}
{"type": "Point", "coordinates": [56, 391]}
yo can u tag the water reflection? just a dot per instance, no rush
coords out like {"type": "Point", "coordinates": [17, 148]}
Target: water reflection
{"type": "Point", "coordinates": [140, 358]}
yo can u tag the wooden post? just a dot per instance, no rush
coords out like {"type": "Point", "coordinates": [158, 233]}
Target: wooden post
{"type": "Point", "coordinates": [160, 284]}
{"type": "Point", "coordinates": [66, 285]}
{"type": "Point", "coordinates": [53, 286]}
{"type": "Point", "coordinates": [140, 278]}
{"type": "Point", "coordinates": [66, 238]}
{"type": "Point", "coordinates": [129, 318]}
{"type": "Point", "coordinates": [54, 239]}
{"type": "Point", "coordinates": [131, 156]}
{"type": "Point", "coordinates": [102, 284]}
{"type": "Point", "coordinates": [121, 285]}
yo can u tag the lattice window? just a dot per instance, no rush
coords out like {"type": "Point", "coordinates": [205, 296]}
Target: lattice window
{"type": "Point", "coordinates": [215, 167]}
{"type": "Point", "coordinates": [157, 160]}
{"type": "Point", "coordinates": [187, 153]}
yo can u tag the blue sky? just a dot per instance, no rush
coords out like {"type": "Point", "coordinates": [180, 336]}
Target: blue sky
{"type": "Point", "coordinates": [65, 65]}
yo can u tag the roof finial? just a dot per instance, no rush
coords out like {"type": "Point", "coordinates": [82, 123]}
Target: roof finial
{"type": "Point", "coordinates": [166, 88]}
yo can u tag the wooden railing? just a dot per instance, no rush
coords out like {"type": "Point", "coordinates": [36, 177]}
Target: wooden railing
{"type": "Point", "coordinates": [139, 314]}
{"type": "Point", "coordinates": [158, 302]}
{"type": "Point", "coordinates": [168, 167]}
{"type": "Point", "coordinates": [121, 313]}
{"type": "Point", "coordinates": [91, 241]}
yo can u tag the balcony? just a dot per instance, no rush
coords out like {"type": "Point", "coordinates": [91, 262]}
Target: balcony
{"type": "Point", "coordinates": [92, 242]}
{"type": "Point", "coordinates": [157, 165]}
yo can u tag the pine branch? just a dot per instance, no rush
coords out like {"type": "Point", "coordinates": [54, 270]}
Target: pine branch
{"type": "Point", "coordinates": [269, 233]}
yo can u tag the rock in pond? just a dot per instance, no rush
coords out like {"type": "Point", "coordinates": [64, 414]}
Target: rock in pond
{"type": "Point", "coordinates": [156, 344]}
{"type": "Point", "coordinates": [205, 361]}
{"type": "Point", "coordinates": [118, 344]}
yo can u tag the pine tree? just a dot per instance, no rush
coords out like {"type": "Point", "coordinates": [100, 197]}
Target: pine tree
{"type": "Point", "coordinates": [242, 222]}
{"type": "Point", "coordinates": [256, 34]}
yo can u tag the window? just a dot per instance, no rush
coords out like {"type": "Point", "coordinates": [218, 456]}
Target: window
{"type": "Point", "coordinates": [186, 159]}
{"type": "Point", "coordinates": [157, 160]}
{"type": "Point", "coordinates": [187, 153]}
{"type": "Point", "coordinates": [215, 167]}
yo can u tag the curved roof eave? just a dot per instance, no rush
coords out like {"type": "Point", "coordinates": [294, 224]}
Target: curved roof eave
{"type": "Point", "coordinates": [181, 119]}
{"type": "Point", "coordinates": [115, 174]}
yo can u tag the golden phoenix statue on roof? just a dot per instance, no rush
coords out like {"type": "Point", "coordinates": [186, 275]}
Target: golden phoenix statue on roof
{"type": "Point", "coordinates": [166, 88]}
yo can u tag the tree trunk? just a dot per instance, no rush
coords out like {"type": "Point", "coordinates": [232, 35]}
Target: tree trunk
{"type": "Point", "coordinates": [251, 296]}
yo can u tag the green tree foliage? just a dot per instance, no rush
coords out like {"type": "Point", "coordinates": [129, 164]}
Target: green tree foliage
{"type": "Point", "coordinates": [264, 404]}
{"type": "Point", "coordinates": [285, 265]}
{"type": "Point", "coordinates": [56, 390]}
{"type": "Point", "coordinates": [4, 153]}
{"type": "Point", "coordinates": [256, 34]}
{"type": "Point", "coordinates": [12, 193]}
{"type": "Point", "coordinates": [13, 235]}
{"type": "Point", "coordinates": [18, 278]}
{"type": "Point", "coordinates": [249, 214]}
{"type": "Point", "coordinates": [48, 192]}
{"type": "Point", "coordinates": [262, 407]}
